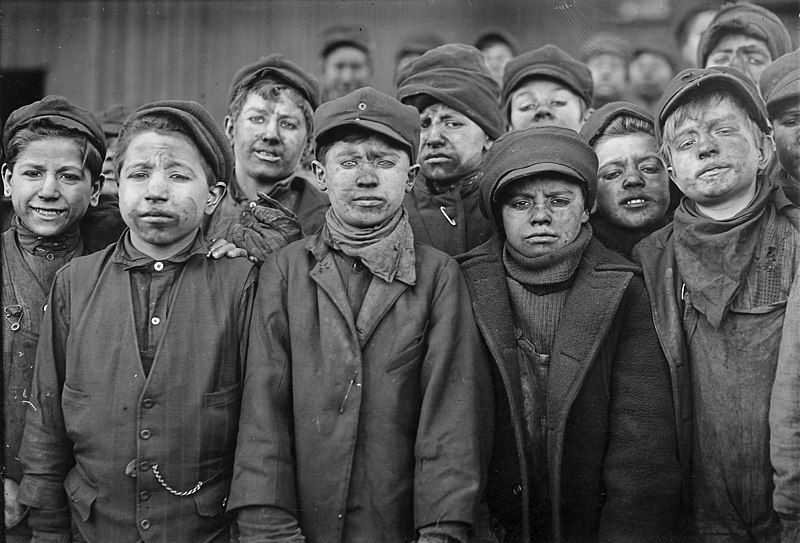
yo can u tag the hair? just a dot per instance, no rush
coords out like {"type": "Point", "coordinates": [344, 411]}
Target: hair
{"type": "Point", "coordinates": [625, 125]}
{"type": "Point", "coordinates": [160, 123]}
{"type": "Point", "coordinates": [40, 129]}
{"type": "Point", "coordinates": [271, 89]}
{"type": "Point", "coordinates": [696, 103]}
{"type": "Point", "coordinates": [352, 134]}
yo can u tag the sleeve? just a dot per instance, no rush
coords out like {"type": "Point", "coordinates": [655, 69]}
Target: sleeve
{"type": "Point", "coordinates": [456, 422]}
{"type": "Point", "coordinates": [245, 314]}
{"type": "Point", "coordinates": [641, 471]}
{"type": "Point", "coordinates": [46, 451]}
{"type": "Point", "coordinates": [264, 468]}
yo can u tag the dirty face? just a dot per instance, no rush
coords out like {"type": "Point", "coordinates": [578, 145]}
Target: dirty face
{"type": "Point", "coordinates": [544, 102]}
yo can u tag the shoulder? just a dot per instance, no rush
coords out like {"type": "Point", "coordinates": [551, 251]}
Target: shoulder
{"type": "Point", "coordinates": [303, 184]}
{"type": "Point", "coordinates": [600, 258]}
{"type": "Point", "coordinates": [488, 251]}
{"type": "Point", "coordinates": [430, 260]}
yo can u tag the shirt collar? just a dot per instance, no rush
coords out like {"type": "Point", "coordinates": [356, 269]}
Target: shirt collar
{"type": "Point", "coordinates": [130, 257]}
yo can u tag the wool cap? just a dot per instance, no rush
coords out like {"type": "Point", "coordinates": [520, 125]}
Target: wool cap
{"type": "Point", "coordinates": [781, 80]}
{"type": "Point", "coordinates": [340, 36]}
{"type": "Point", "coordinates": [599, 120]}
{"type": "Point", "coordinates": [694, 81]}
{"type": "Point", "coordinates": [209, 138]}
{"type": "Point", "coordinates": [456, 76]}
{"type": "Point", "coordinates": [550, 62]}
{"type": "Point", "coordinates": [418, 45]}
{"type": "Point", "coordinates": [281, 68]}
{"type": "Point", "coordinates": [751, 20]}
{"type": "Point", "coordinates": [496, 35]}
{"type": "Point", "coordinates": [606, 43]}
{"type": "Point", "coordinates": [59, 111]}
{"type": "Point", "coordinates": [112, 120]}
{"type": "Point", "coordinates": [373, 110]}
{"type": "Point", "coordinates": [536, 150]}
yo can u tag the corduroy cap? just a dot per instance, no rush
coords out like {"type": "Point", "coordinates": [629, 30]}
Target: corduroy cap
{"type": "Point", "coordinates": [209, 138]}
{"type": "Point", "coordinates": [373, 110]}
{"type": "Point", "coordinates": [694, 81]}
{"type": "Point", "coordinates": [599, 120]}
{"type": "Point", "coordinates": [751, 20]}
{"type": "Point", "coordinates": [781, 80]}
{"type": "Point", "coordinates": [550, 62]}
{"type": "Point", "coordinates": [281, 68]}
{"type": "Point", "coordinates": [456, 76]}
{"type": "Point", "coordinates": [536, 150]}
{"type": "Point", "coordinates": [340, 36]}
{"type": "Point", "coordinates": [59, 111]}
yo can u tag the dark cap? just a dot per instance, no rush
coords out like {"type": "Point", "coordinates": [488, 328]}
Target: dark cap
{"type": "Point", "coordinates": [340, 36]}
{"type": "Point", "coordinates": [418, 45]}
{"type": "Point", "coordinates": [112, 119]}
{"type": "Point", "coordinates": [599, 120]}
{"type": "Point", "coordinates": [59, 111]}
{"type": "Point", "coordinates": [281, 68]}
{"type": "Point", "coordinates": [550, 62]}
{"type": "Point", "coordinates": [456, 76]}
{"type": "Point", "coordinates": [209, 138]}
{"type": "Point", "coordinates": [496, 35]}
{"type": "Point", "coordinates": [373, 110]}
{"type": "Point", "coordinates": [751, 20]}
{"type": "Point", "coordinates": [536, 150]}
{"type": "Point", "coordinates": [606, 43]}
{"type": "Point", "coordinates": [694, 81]}
{"type": "Point", "coordinates": [781, 80]}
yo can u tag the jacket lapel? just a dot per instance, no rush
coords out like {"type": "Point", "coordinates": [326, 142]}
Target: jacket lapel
{"type": "Point", "coordinates": [380, 297]}
{"type": "Point", "coordinates": [327, 277]}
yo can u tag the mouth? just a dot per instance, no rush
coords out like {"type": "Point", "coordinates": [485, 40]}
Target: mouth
{"type": "Point", "coordinates": [268, 155]}
{"type": "Point", "coordinates": [436, 158]}
{"type": "Point", "coordinates": [541, 237]}
{"type": "Point", "coordinates": [368, 201]}
{"type": "Point", "coordinates": [47, 213]}
{"type": "Point", "coordinates": [712, 170]}
{"type": "Point", "coordinates": [156, 216]}
{"type": "Point", "coordinates": [635, 202]}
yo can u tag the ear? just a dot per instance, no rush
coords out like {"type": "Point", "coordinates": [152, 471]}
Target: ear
{"type": "Point", "coordinates": [412, 176]}
{"type": "Point", "coordinates": [487, 143]}
{"type": "Point", "coordinates": [319, 173]}
{"type": "Point", "coordinates": [766, 150]}
{"type": "Point", "coordinates": [96, 188]}
{"type": "Point", "coordinates": [229, 128]}
{"type": "Point", "coordinates": [215, 195]}
{"type": "Point", "coordinates": [6, 180]}
{"type": "Point", "coordinates": [585, 216]}
{"type": "Point", "coordinates": [586, 115]}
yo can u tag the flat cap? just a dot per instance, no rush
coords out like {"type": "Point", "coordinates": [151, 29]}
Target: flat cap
{"type": "Point", "coordinates": [496, 35]}
{"type": "Point", "coordinates": [373, 110]}
{"type": "Point", "coordinates": [694, 81]}
{"type": "Point", "coordinates": [59, 111]}
{"type": "Point", "coordinates": [751, 20]}
{"type": "Point", "coordinates": [781, 80]}
{"type": "Point", "coordinates": [209, 138]}
{"type": "Point", "coordinates": [455, 75]}
{"type": "Point", "coordinates": [281, 68]}
{"type": "Point", "coordinates": [659, 49]}
{"type": "Point", "coordinates": [536, 150]}
{"type": "Point", "coordinates": [599, 120]}
{"type": "Point", "coordinates": [418, 45]}
{"type": "Point", "coordinates": [340, 36]}
{"type": "Point", "coordinates": [550, 62]}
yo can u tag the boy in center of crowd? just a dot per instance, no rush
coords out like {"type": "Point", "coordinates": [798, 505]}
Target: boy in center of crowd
{"type": "Point", "coordinates": [367, 408]}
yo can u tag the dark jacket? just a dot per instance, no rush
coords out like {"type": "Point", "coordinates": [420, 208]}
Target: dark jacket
{"type": "Point", "coordinates": [611, 441]}
{"type": "Point", "coordinates": [365, 426]}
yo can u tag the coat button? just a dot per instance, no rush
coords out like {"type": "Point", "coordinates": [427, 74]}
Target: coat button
{"type": "Point", "coordinates": [145, 524]}
{"type": "Point", "coordinates": [358, 266]}
{"type": "Point", "coordinates": [158, 266]}
{"type": "Point", "coordinates": [145, 434]}
{"type": "Point", "coordinates": [517, 490]}
{"type": "Point", "coordinates": [50, 257]}
{"type": "Point", "coordinates": [155, 321]}
{"type": "Point", "coordinates": [147, 403]}
{"type": "Point", "coordinates": [144, 496]}
{"type": "Point", "coordinates": [144, 466]}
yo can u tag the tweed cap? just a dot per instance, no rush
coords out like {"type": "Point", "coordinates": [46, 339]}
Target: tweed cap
{"type": "Point", "coordinates": [751, 20]}
{"type": "Point", "coordinates": [694, 81]}
{"type": "Point", "coordinates": [373, 110]}
{"type": "Point", "coordinates": [540, 149]}
{"type": "Point", "coordinates": [456, 76]}
{"type": "Point", "coordinates": [781, 80]}
{"type": "Point", "coordinates": [209, 138]}
{"type": "Point", "coordinates": [281, 68]}
{"type": "Point", "coordinates": [550, 62]}
{"type": "Point", "coordinates": [340, 36]}
{"type": "Point", "coordinates": [599, 120]}
{"type": "Point", "coordinates": [59, 111]}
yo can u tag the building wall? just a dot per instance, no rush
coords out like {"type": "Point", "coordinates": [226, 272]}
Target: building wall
{"type": "Point", "coordinates": [100, 53]}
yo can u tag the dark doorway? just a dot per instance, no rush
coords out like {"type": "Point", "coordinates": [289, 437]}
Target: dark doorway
{"type": "Point", "coordinates": [17, 88]}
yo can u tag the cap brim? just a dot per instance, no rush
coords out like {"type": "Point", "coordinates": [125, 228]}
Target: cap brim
{"type": "Point", "coordinates": [541, 167]}
{"type": "Point", "coordinates": [548, 72]}
{"type": "Point", "coordinates": [786, 89]}
{"type": "Point", "coordinates": [373, 127]}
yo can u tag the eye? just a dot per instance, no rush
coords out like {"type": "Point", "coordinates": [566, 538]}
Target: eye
{"type": "Point", "coordinates": [610, 175]}
{"type": "Point", "coordinates": [425, 123]}
{"type": "Point", "coordinates": [453, 124]}
{"type": "Point", "coordinates": [685, 145]}
{"type": "Point", "coordinates": [725, 131]}
{"type": "Point", "coordinates": [719, 58]}
{"type": "Point", "coordinates": [558, 102]}
{"type": "Point", "coordinates": [790, 122]}
{"type": "Point", "coordinates": [386, 163]}
{"type": "Point", "coordinates": [756, 60]}
{"type": "Point", "coordinates": [519, 205]}
{"type": "Point", "coordinates": [559, 201]}
{"type": "Point", "coordinates": [256, 119]}
{"type": "Point", "coordinates": [179, 176]}
{"type": "Point", "coordinates": [31, 173]}
{"type": "Point", "coordinates": [289, 124]}
{"type": "Point", "coordinates": [137, 175]}
{"type": "Point", "coordinates": [527, 106]}
{"type": "Point", "coordinates": [348, 164]}
{"type": "Point", "coordinates": [651, 169]}
{"type": "Point", "coordinates": [71, 177]}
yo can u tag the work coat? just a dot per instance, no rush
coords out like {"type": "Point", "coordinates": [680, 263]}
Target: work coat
{"type": "Point", "coordinates": [369, 426]}
{"type": "Point", "coordinates": [612, 460]}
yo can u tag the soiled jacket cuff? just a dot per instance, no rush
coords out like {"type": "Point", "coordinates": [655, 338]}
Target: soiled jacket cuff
{"type": "Point", "coordinates": [42, 493]}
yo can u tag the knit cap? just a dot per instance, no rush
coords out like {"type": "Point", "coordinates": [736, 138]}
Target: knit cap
{"type": "Point", "coordinates": [281, 68]}
{"type": "Point", "coordinates": [598, 121]}
{"type": "Point", "coordinates": [781, 80]}
{"type": "Point", "coordinates": [456, 76]}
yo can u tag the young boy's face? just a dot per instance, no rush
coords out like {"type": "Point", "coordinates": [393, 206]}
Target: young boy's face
{"type": "Point", "coordinates": [543, 102]}
{"type": "Point", "coordinates": [50, 187]}
{"type": "Point", "coordinates": [164, 191]}
{"type": "Point", "coordinates": [366, 180]}
{"type": "Point", "coordinates": [787, 138]}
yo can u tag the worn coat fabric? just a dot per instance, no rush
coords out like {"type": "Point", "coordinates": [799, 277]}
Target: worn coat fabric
{"type": "Point", "coordinates": [432, 227]}
{"type": "Point", "coordinates": [100, 427]}
{"type": "Point", "coordinates": [611, 442]}
{"type": "Point", "coordinates": [365, 426]}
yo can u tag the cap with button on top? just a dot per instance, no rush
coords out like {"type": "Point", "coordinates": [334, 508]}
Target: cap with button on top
{"type": "Point", "coordinates": [282, 68]}
{"type": "Point", "coordinates": [781, 81]}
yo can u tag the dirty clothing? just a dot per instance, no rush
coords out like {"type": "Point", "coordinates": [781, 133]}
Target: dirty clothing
{"type": "Point", "coordinates": [612, 471]}
{"type": "Point", "coordinates": [621, 240]}
{"type": "Point", "coordinates": [104, 431]}
{"type": "Point", "coordinates": [367, 425]}
{"type": "Point", "coordinates": [451, 221]}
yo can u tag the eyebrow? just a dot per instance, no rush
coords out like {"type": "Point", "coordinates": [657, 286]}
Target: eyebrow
{"type": "Point", "coordinates": [636, 158]}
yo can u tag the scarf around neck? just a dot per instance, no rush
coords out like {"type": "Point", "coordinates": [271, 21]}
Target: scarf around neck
{"type": "Point", "coordinates": [714, 256]}
{"type": "Point", "coordinates": [60, 245]}
{"type": "Point", "coordinates": [387, 250]}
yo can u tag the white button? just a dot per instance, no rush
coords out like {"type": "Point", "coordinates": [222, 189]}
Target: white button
{"type": "Point", "coordinates": [362, 106]}
{"type": "Point", "coordinates": [158, 266]}
{"type": "Point", "coordinates": [155, 321]}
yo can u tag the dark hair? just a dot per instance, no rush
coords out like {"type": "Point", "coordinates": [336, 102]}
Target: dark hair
{"type": "Point", "coordinates": [625, 125]}
{"type": "Point", "coordinates": [352, 134]}
{"type": "Point", "coordinates": [161, 123]}
{"type": "Point", "coordinates": [40, 129]}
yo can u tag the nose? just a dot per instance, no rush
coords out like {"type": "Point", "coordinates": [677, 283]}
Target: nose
{"type": "Point", "coordinates": [433, 135]}
{"type": "Point", "coordinates": [157, 188]}
{"type": "Point", "coordinates": [543, 113]}
{"type": "Point", "coordinates": [49, 187]}
{"type": "Point", "coordinates": [367, 177]}
{"type": "Point", "coordinates": [706, 146]}
{"type": "Point", "coordinates": [270, 130]}
{"type": "Point", "coordinates": [539, 214]}
{"type": "Point", "coordinates": [632, 178]}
